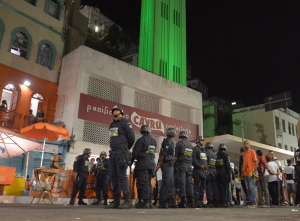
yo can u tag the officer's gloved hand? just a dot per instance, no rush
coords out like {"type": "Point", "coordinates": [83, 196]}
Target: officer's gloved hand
{"type": "Point", "coordinates": [202, 167]}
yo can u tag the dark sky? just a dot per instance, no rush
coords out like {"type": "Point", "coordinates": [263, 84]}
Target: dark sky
{"type": "Point", "coordinates": [242, 50]}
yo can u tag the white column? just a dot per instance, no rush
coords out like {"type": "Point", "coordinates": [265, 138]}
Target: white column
{"type": "Point", "coordinates": [197, 118]}
{"type": "Point", "coordinates": [165, 107]}
{"type": "Point", "coordinates": [127, 96]}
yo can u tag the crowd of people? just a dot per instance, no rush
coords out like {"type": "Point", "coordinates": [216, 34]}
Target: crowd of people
{"type": "Point", "coordinates": [183, 173]}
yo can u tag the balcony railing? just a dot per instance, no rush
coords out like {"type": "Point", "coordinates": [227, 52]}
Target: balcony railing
{"type": "Point", "coordinates": [16, 121]}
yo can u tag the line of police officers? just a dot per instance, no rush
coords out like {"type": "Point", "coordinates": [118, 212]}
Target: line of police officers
{"type": "Point", "coordinates": [179, 165]}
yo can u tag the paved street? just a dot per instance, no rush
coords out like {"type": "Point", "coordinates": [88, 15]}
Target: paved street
{"type": "Point", "coordinates": [65, 213]}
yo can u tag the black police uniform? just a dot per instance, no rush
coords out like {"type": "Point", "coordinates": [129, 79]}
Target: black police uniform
{"type": "Point", "coordinates": [297, 161]}
{"type": "Point", "coordinates": [144, 153]}
{"type": "Point", "coordinates": [199, 158]}
{"type": "Point", "coordinates": [183, 153]}
{"type": "Point", "coordinates": [167, 186]}
{"type": "Point", "coordinates": [121, 135]}
{"type": "Point", "coordinates": [212, 193]}
{"type": "Point", "coordinates": [81, 167]}
{"type": "Point", "coordinates": [223, 175]}
{"type": "Point", "coordinates": [102, 177]}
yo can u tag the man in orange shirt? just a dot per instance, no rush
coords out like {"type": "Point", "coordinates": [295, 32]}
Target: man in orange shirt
{"type": "Point", "coordinates": [248, 173]}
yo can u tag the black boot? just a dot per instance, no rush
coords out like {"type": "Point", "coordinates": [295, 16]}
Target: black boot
{"type": "Point", "coordinates": [97, 203]}
{"type": "Point", "coordinates": [163, 205]}
{"type": "Point", "coordinates": [114, 205]}
{"type": "Point", "coordinates": [105, 202]}
{"type": "Point", "coordinates": [210, 203]}
{"type": "Point", "coordinates": [182, 203]}
{"type": "Point", "coordinates": [72, 201]}
{"type": "Point", "coordinates": [188, 202]}
{"type": "Point", "coordinates": [145, 205]}
{"type": "Point", "coordinates": [197, 204]}
{"type": "Point", "coordinates": [150, 204]}
{"type": "Point", "coordinates": [191, 205]}
{"type": "Point", "coordinates": [224, 205]}
{"type": "Point", "coordinates": [171, 204]}
{"type": "Point", "coordinates": [216, 204]}
{"type": "Point", "coordinates": [81, 202]}
{"type": "Point", "coordinates": [126, 204]}
{"type": "Point", "coordinates": [139, 202]}
{"type": "Point", "coordinates": [203, 205]}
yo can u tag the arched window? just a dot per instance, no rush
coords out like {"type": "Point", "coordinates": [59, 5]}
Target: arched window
{"type": "Point", "coordinates": [1, 31]}
{"type": "Point", "coordinates": [54, 8]}
{"type": "Point", "coordinates": [46, 54]}
{"type": "Point", "coordinates": [10, 94]}
{"type": "Point", "coordinates": [21, 43]}
{"type": "Point", "coordinates": [32, 2]}
{"type": "Point", "coordinates": [37, 103]}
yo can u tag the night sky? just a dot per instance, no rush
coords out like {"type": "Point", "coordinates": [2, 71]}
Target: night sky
{"type": "Point", "coordinates": [242, 50]}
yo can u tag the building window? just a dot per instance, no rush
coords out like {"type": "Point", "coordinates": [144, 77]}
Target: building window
{"type": "Point", "coordinates": [283, 125]}
{"type": "Point", "coordinates": [1, 31]}
{"type": "Point", "coordinates": [37, 103]}
{"type": "Point", "coordinates": [285, 147]}
{"type": "Point", "coordinates": [53, 8]}
{"type": "Point", "coordinates": [293, 130]}
{"type": "Point", "coordinates": [279, 145]}
{"type": "Point", "coordinates": [289, 127]}
{"type": "Point", "coordinates": [46, 54]}
{"type": "Point", "coordinates": [10, 94]}
{"type": "Point", "coordinates": [277, 123]}
{"type": "Point", "coordinates": [20, 43]}
{"type": "Point", "coordinates": [32, 2]}
{"type": "Point", "coordinates": [292, 149]}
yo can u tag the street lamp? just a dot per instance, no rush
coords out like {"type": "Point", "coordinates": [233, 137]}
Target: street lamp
{"type": "Point", "coordinates": [96, 29]}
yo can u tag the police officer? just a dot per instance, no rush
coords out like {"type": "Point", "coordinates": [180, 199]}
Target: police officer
{"type": "Point", "coordinates": [223, 174]}
{"type": "Point", "coordinates": [183, 157]}
{"type": "Point", "coordinates": [101, 174]}
{"type": "Point", "coordinates": [212, 193]}
{"type": "Point", "coordinates": [121, 140]}
{"type": "Point", "coordinates": [165, 162]}
{"type": "Point", "coordinates": [81, 172]}
{"type": "Point", "coordinates": [200, 163]}
{"type": "Point", "coordinates": [144, 153]}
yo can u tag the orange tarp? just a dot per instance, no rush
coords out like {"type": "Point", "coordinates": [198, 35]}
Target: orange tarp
{"type": "Point", "coordinates": [7, 175]}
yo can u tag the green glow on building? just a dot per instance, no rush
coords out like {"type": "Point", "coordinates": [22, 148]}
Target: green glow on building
{"type": "Point", "coordinates": [163, 39]}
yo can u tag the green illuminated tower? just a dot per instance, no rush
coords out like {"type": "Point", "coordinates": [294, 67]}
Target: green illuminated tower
{"type": "Point", "coordinates": [163, 39]}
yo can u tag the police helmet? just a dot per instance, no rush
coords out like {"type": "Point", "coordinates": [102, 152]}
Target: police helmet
{"type": "Point", "coordinates": [209, 145]}
{"type": "Point", "coordinates": [171, 132]}
{"type": "Point", "coordinates": [145, 129]}
{"type": "Point", "coordinates": [222, 147]}
{"type": "Point", "coordinates": [183, 134]}
{"type": "Point", "coordinates": [198, 139]}
{"type": "Point", "coordinates": [117, 107]}
{"type": "Point", "coordinates": [87, 151]}
{"type": "Point", "coordinates": [103, 153]}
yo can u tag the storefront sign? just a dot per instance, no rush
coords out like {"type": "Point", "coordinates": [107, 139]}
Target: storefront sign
{"type": "Point", "coordinates": [99, 111]}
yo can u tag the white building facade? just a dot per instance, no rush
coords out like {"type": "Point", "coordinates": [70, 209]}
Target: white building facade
{"type": "Point", "coordinates": [276, 128]}
{"type": "Point", "coordinates": [93, 83]}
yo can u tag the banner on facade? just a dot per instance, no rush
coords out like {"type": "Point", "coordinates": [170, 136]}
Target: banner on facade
{"type": "Point", "coordinates": [99, 111]}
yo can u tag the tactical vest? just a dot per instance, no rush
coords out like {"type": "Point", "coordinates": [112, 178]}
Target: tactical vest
{"type": "Point", "coordinates": [185, 156]}
{"type": "Point", "coordinates": [171, 151]}
{"type": "Point", "coordinates": [147, 152]}
{"type": "Point", "coordinates": [212, 159]}
{"type": "Point", "coordinates": [220, 160]}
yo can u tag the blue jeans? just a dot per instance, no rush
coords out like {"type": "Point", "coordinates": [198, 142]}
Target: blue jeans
{"type": "Point", "coordinates": [244, 196]}
{"type": "Point", "coordinates": [251, 189]}
{"type": "Point", "coordinates": [229, 195]}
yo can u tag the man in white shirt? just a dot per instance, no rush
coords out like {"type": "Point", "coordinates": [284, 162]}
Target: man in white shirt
{"type": "Point", "coordinates": [291, 188]}
{"type": "Point", "coordinates": [275, 160]}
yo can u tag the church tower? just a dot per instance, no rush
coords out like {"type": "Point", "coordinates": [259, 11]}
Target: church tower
{"type": "Point", "coordinates": [163, 39]}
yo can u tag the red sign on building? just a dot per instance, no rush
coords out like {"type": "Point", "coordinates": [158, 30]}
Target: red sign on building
{"type": "Point", "coordinates": [99, 111]}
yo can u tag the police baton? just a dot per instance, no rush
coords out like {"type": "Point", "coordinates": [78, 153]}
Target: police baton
{"type": "Point", "coordinates": [209, 171]}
